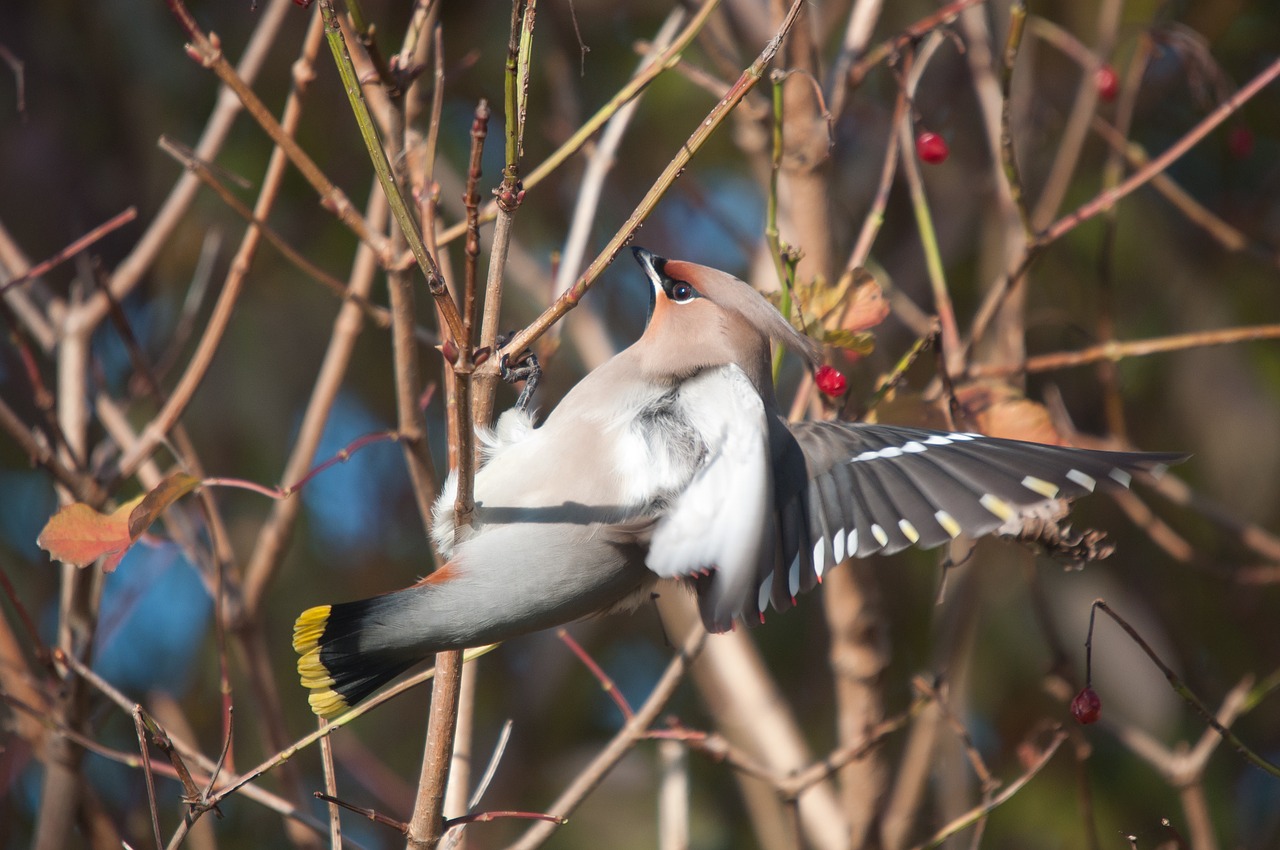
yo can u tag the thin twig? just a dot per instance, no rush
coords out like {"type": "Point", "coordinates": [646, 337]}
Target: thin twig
{"type": "Point", "coordinates": [271, 801]}
{"type": "Point", "coordinates": [952, 355]}
{"type": "Point", "coordinates": [1179, 687]}
{"type": "Point", "coordinates": [606, 683]}
{"type": "Point", "coordinates": [45, 266]}
{"type": "Point", "coordinates": [140, 730]}
{"type": "Point", "coordinates": [979, 812]}
{"type": "Point", "coordinates": [378, 314]}
{"type": "Point", "coordinates": [1116, 351]}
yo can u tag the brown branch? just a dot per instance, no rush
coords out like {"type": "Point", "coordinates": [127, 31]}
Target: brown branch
{"type": "Point", "coordinates": [1222, 232]}
{"type": "Point", "coordinates": [427, 824]}
{"type": "Point", "coordinates": [160, 425]}
{"type": "Point", "coordinates": [1073, 135]}
{"type": "Point", "coordinates": [1116, 351]}
{"type": "Point", "coordinates": [78, 603]}
{"type": "Point", "coordinates": [872, 222]}
{"type": "Point", "coordinates": [372, 814]}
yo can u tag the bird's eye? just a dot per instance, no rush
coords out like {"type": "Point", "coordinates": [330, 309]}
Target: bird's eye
{"type": "Point", "coordinates": [681, 292]}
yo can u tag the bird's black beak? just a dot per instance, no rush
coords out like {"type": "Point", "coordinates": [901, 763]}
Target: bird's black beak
{"type": "Point", "coordinates": [653, 266]}
{"type": "Point", "coordinates": [651, 263]}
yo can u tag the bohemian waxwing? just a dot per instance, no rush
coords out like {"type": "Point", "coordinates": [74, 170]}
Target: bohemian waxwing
{"type": "Point", "coordinates": [672, 461]}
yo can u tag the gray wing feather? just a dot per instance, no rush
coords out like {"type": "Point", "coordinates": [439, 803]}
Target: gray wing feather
{"type": "Point", "coordinates": [881, 488]}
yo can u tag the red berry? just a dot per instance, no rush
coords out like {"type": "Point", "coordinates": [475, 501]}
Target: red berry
{"type": "Point", "coordinates": [1240, 141]}
{"type": "Point", "coordinates": [932, 148]}
{"type": "Point", "coordinates": [1086, 707]}
{"type": "Point", "coordinates": [829, 380]}
{"type": "Point", "coordinates": [1108, 83]}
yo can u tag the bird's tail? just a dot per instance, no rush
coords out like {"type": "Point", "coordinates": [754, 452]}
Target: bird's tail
{"type": "Point", "coordinates": [349, 650]}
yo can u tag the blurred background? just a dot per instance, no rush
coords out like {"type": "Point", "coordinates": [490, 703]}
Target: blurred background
{"type": "Point", "coordinates": [101, 82]}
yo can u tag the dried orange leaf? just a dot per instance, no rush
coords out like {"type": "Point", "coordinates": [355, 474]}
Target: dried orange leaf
{"type": "Point", "coordinates": [79, 535]}
{"type": "Point", "coordinates": [168, 491]}
{"type": "Point", "coordinates": [868, 306]}
{"type": "Point", "coordinates": [1001, 411]}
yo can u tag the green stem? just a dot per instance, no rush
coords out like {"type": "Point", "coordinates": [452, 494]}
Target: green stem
{"type": "Point", "coordinates": [382, 165]}
{"type": "Point", "coordinates": [784, 267]}
{"type": "Point", "coordinates": [1017, 24]}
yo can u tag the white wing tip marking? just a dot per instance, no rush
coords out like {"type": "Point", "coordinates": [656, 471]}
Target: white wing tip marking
{"type": "Point", "coordinates": [762, 598]}
{"type": "Point", "coordinates": [909, 531]}
{"type": "Point", "coordinates": [878, 454]}
{"type": "Point", "coordinates": [938, 440]}
{"type": "Point", "coordinates": [853, 542]}
{"type": "Point", "coordinates": [997, 506]}
{"type": "Point", "coordinates": [1038, 485]}
{"type": "Point", "coordinates": [1083, 479]}
{"type": "Point", "coordinates": [837, 543]}
{"type": "Point", "coordinates": [914, 447]}
{"type": "Point", "coordinates": [879, 534]}
{"type": "Point", "coordinates": [1121, 477]}
{"type": "Point", "coordinates": [948, 523]}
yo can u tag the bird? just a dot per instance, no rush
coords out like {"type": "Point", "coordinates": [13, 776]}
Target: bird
{"type": "Point", "coordinates": [672, 461]}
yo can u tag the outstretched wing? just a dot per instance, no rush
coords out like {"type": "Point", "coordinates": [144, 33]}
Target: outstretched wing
{"type": "Point", "coordinates": [877, 489]}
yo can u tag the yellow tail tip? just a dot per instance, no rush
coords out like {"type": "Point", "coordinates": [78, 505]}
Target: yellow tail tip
{"type": "Point", "coordinates": [307, 631]}
{"type": "Point", "coordinates": [313, 672]}
{"type": "Point", "coordinates": [308, 628]}
{"type": "Point", "coordinates": [327, 703]}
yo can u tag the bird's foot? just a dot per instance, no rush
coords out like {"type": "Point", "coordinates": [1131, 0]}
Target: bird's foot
{"type": "Point", "coordinates": [524, 368]}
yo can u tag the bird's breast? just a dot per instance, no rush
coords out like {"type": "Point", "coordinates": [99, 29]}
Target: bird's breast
{"type": "Point", "coordinates": [657, 449]}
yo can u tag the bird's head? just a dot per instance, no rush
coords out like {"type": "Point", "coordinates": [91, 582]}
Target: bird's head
{"type": "Point", "coordinates": [701, 317]}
